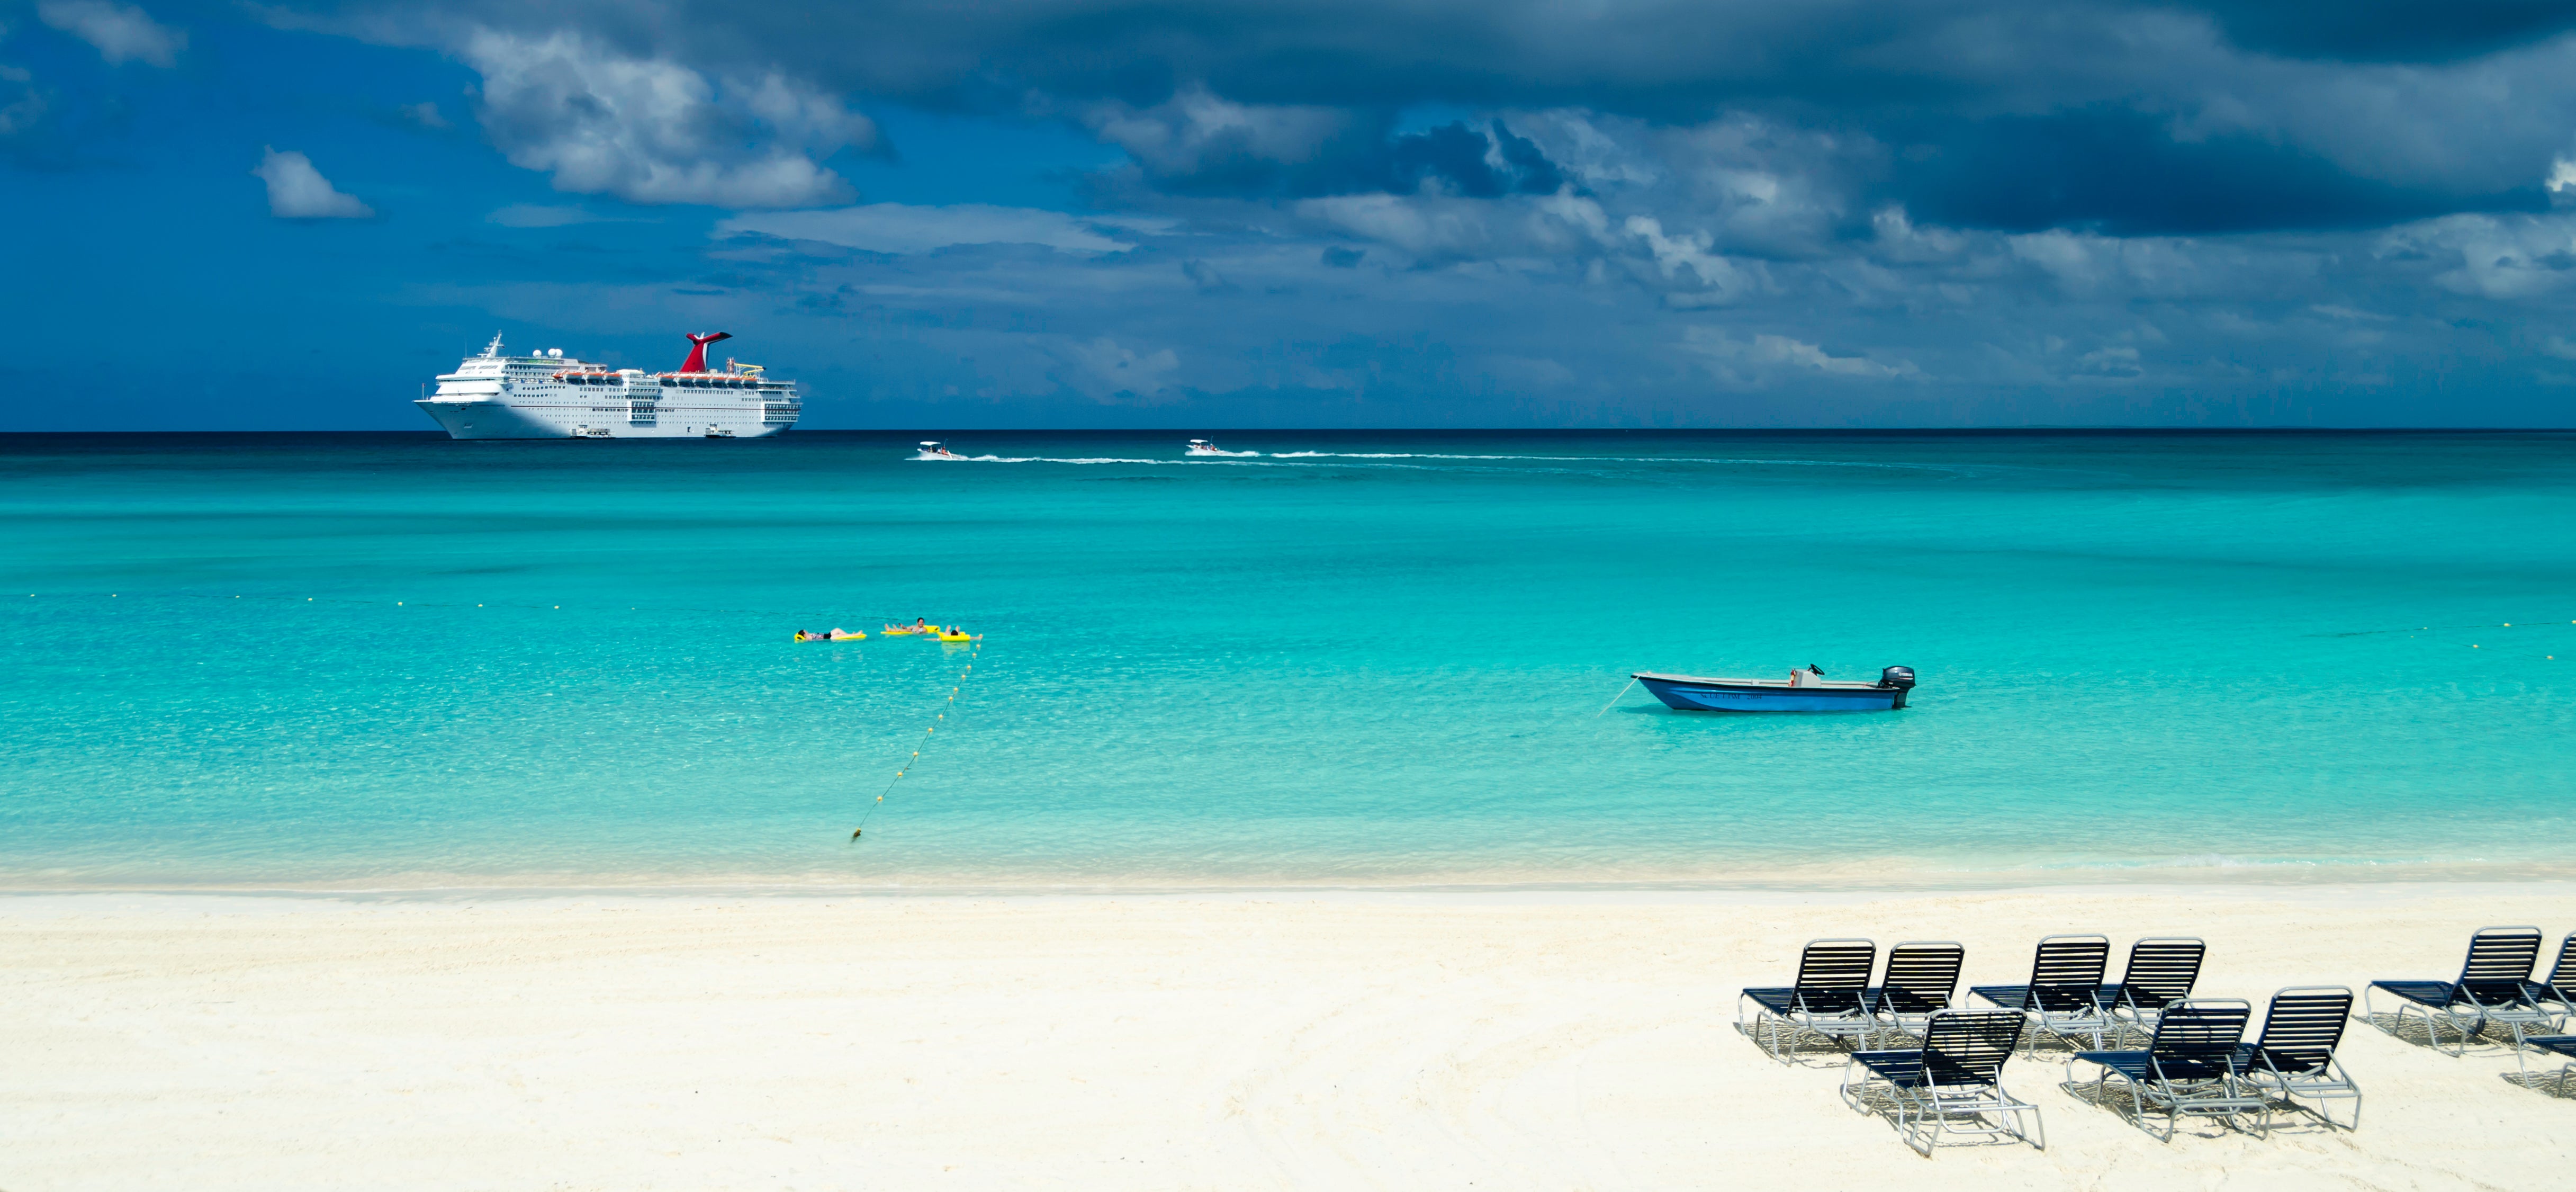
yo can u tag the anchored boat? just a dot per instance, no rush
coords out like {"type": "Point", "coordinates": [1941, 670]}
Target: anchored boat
{"type": "Point", "coordinates": [1803, 691]}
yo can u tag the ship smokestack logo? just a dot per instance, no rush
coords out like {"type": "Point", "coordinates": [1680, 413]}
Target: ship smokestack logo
{"type": "Point", "coordinates": [698, 350]}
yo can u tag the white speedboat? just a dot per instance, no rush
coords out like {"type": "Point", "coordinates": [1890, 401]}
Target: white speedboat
{"type": "Point", "coordinates": [932, 450]}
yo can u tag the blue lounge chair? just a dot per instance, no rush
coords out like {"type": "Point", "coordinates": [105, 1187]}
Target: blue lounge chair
{"type": "Point", "coordinates": [2161, 972]}
{"type": "Point", "coordinates": [1826, 1001]}
{"type": "Point", "coordinates": [1952, 1085]}
{"type": "Point", "coordinates": [2190, 1067]}
{"type": "Point", "coordinates": [2558, 994]}
{"type": "Point", "coordinates": [1921, 981]}
{"type": "Point", "coordinates": [2295, 1056]}
{"type": "Point", "coordinates": [2559, 1045]}
{"type": "Point", "coordinates": [2065, 991]}
{"type": "Point", "coordinates": [2493, 989]}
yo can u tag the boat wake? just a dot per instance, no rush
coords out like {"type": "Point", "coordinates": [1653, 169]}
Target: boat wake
{"type": "Point", "coordinates": [1413, 459]}
{"type": "Point", "coordinates": [1032, 459]}
{"type": "Point", "coordinates": [1614, 459]}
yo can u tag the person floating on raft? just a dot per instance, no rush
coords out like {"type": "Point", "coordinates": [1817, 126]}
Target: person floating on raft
{"type": "Point", "coordinates": [918, 625]}
{"type": "Point", "coordinates": [837, 634]}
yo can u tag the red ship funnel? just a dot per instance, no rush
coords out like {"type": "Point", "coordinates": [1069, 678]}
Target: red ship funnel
{"type": "Point", "coordinates": [698, 350]}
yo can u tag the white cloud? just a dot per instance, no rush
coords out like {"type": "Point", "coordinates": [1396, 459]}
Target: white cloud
{"type": "Point", "coordinates": [2516, 256]}
{"type": "Point", "coordinates": [424, 114]}
{"type": "Point", "coordinates": [298, 191]}
{"type": "Point", "coordinates": [1103, 369]}
{"type": "Point", "coordinates": [899, 228]}
{"type": "Point", "coordinates": [535, 215]}
{"type": "Point", "coordinates": [2063, 255]}
{"type": "Point", "coordinates": [2116, 360]}
{"type": "Point", "coordinates": [1684, 258]}
{"type": "Point", "coordinates": [1425, 227]}
{"type": "Point", "coordinates": [1898, 239]}
{"type": "Point", "coordinates": [1195, 128]}
{"type": "Point", "coordinates": [1577, 142]}
{"type": "Point", "coordinates": [1439, 228]}
{"type": "Point", "coordinates": [21, 113]}
{"type": "Point", "coordinates": [2559, 346]}
{"type": "Point", "coordinates": [1748, 361]}
{"type": "Point", "coordinates": [649, 130]}
{"type": "Point", "coordinates": [122, 32]}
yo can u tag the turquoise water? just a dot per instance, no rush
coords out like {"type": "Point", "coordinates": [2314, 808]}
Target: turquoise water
{"type": "Point", "coordinates": [400, 661]}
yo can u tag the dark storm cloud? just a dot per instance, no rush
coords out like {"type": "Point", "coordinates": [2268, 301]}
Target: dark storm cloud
{"type": "Point", "coordinates": [2020, 113]}
{"type": "Point", "coordinates": [1669, 58]}
{"type": "Point", "coordinates": [1453, 158]}
{"type": "Point", "coordinates": [2123, 173]}
{"type": "Point", "coordinates": [2393, 30]}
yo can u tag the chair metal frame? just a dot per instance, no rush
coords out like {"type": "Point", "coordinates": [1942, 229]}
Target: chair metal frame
{"type": "Point", "coordinates": [2295, 1054]}
{"type": "Point", "coordinates": [2189, 1067]}
{"type": "Point", "coordinates": [1826, 1001]}
{"type": "Point", "coordinates": [2560, 1045]}
{"type": "Point", "coordinates": [1952, 1085]}
{"type": "Point", "coordinates": [2161, 971]}
{"type": "Point", "coordinates": [2495, 987]}
{"type": "Point", "coordinates": [1922, 979]}
{"type": "Point", "coordinates": [2065, 990]}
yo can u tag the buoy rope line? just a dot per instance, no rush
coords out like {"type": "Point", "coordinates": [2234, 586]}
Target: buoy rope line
{"type": "Point", "coordinates": [908, 763]}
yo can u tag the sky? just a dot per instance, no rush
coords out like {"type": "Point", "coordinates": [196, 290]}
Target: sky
{"type": "Point", "coordinates": [1305, 213]}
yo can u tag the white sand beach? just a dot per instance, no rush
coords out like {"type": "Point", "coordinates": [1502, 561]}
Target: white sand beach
{"type": "Point", "coordinates": [1259, 1041]}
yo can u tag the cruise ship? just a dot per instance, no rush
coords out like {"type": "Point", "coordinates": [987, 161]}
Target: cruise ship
{"type": "Point", "coordinates": [549, 395]}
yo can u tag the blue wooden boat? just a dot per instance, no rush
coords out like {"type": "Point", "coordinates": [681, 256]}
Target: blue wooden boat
{"type": "Point", "coordinates": [1805, 691]}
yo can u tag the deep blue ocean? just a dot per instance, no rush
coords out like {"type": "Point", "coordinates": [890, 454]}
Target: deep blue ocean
{"type": "Point", "coordinates": [395, 661]}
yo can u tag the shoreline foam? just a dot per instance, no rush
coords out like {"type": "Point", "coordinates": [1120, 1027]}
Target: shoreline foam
{"type": "Point", "coordinates": [1858, 878]}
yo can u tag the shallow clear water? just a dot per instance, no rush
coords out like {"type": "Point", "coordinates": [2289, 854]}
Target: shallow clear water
{"type": "Point", "coordinates": [401, 660]}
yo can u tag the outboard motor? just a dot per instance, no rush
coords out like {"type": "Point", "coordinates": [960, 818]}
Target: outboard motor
{"type": "Point", "coordinates": [1899, 677]}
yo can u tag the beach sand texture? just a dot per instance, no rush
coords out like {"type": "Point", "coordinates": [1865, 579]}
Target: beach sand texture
{"type": "Point", "coordinates": [1270, 1041]}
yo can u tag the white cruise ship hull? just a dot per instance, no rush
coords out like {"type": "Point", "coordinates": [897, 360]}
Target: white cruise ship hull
{"type": "Point", "coordinates": [551, 396]}
{"type": "Point", "coordinates": [531, 420]}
